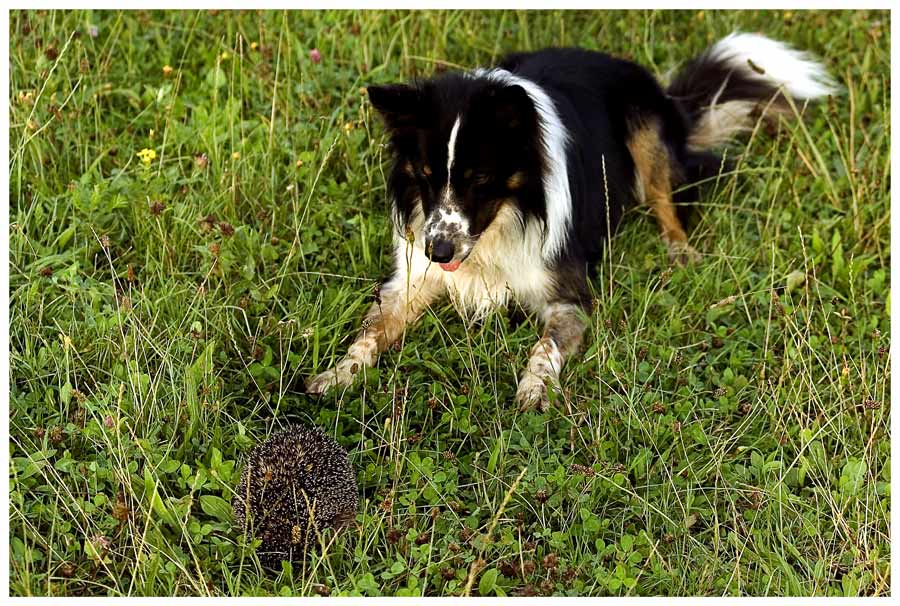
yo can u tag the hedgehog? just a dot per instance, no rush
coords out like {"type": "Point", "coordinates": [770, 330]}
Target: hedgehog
{"type": "Point", "coordinates": [296, 484]}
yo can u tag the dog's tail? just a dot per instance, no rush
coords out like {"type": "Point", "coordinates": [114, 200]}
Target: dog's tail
{"type": "Point", "coordinates": [725, 89]}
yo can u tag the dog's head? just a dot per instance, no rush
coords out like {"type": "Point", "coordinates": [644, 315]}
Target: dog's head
{"type": "Point", "coordinates": [463, 148]}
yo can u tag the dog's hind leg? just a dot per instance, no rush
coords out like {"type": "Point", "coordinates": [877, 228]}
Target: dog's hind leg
{"type": "Point", "coordinates": [403, 298]}
{"type": "Point", "coordinates": [563, 331]}
{"type": "Point", "coordinates": [653, 182]}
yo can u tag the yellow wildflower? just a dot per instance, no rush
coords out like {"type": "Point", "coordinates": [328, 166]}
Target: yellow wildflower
{"type": "Point", "coordinates": [167, 70]}
{"type": "Point", "coordinates": [147, 156]}
{"type": "Point", "coordinates": [236, 156]}
{"type": "Point", "coordinates": [225, 56]}
{"type": "Point", "coordinates": [254, 45]}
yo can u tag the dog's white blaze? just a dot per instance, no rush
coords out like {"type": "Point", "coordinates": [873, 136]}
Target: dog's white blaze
{"type": "Point", "coordinates": [447, 194]}
{"type": "Point", "coordinates": [796, 71]}
{"type": "Point", "coordinates": [448, 218]}
{"type": "Point", "coordinates": [555, 140]}
{"type": "Point", "coordinates": [451, 147]}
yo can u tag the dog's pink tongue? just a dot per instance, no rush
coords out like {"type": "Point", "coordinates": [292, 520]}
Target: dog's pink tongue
{"type": "Point", "coordinates": [452, 266]}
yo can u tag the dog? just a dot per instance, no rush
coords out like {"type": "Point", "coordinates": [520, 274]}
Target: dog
{"type": "Point", "coordinates": [506, 181]}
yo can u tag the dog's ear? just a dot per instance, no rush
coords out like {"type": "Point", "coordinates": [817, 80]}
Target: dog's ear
{"type": "Point", "coordinates": [511, 106]}
{"type": "Point", "coordinates": [398, 104]}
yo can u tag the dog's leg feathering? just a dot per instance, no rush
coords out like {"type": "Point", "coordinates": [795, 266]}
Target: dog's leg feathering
{"type": "Point", "coordinates": [403, 299]}
{"type": "Point", "coordinates": [563, 330]}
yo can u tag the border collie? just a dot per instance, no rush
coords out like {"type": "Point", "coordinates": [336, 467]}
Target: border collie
{"type": "Point", "coordinates": [506, 181]}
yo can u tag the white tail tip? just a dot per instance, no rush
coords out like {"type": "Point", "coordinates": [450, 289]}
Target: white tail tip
{"type": "Point", "coordinates": [758, 57]}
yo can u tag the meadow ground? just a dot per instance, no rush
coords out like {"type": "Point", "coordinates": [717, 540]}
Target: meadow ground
{"type": "Point", "coordinates": [725, 430]}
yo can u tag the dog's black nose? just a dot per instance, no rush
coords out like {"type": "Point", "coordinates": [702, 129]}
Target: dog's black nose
{"type": "Point", "coordinates": [439, 250]}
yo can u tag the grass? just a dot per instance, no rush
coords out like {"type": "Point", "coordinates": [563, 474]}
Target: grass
{"type": "Point", "coordinates": [725, 430]}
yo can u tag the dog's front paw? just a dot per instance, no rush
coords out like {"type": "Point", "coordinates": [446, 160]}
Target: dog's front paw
{"type": "Point", "coordinates": [532, 393]}
{"type": "Point", "coordinates": [341, 375]}
{"type": "Point", "coordinates": [682, 253]}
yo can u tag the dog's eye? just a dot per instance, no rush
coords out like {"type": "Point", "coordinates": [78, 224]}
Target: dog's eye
{"type": "Point", "coordinates": [470, 175]}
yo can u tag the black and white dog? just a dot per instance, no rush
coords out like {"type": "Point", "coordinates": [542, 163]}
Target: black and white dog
{"type": "Point", "coordinates": [506, 181]}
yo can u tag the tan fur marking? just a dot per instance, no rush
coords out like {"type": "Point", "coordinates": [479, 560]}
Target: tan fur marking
{"type": "Point", "coordinates": [651, 162]}
{"type": "Point", "coordinates": [654, 183]}
{"type": "Point", "coordinates": [516, 181]}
